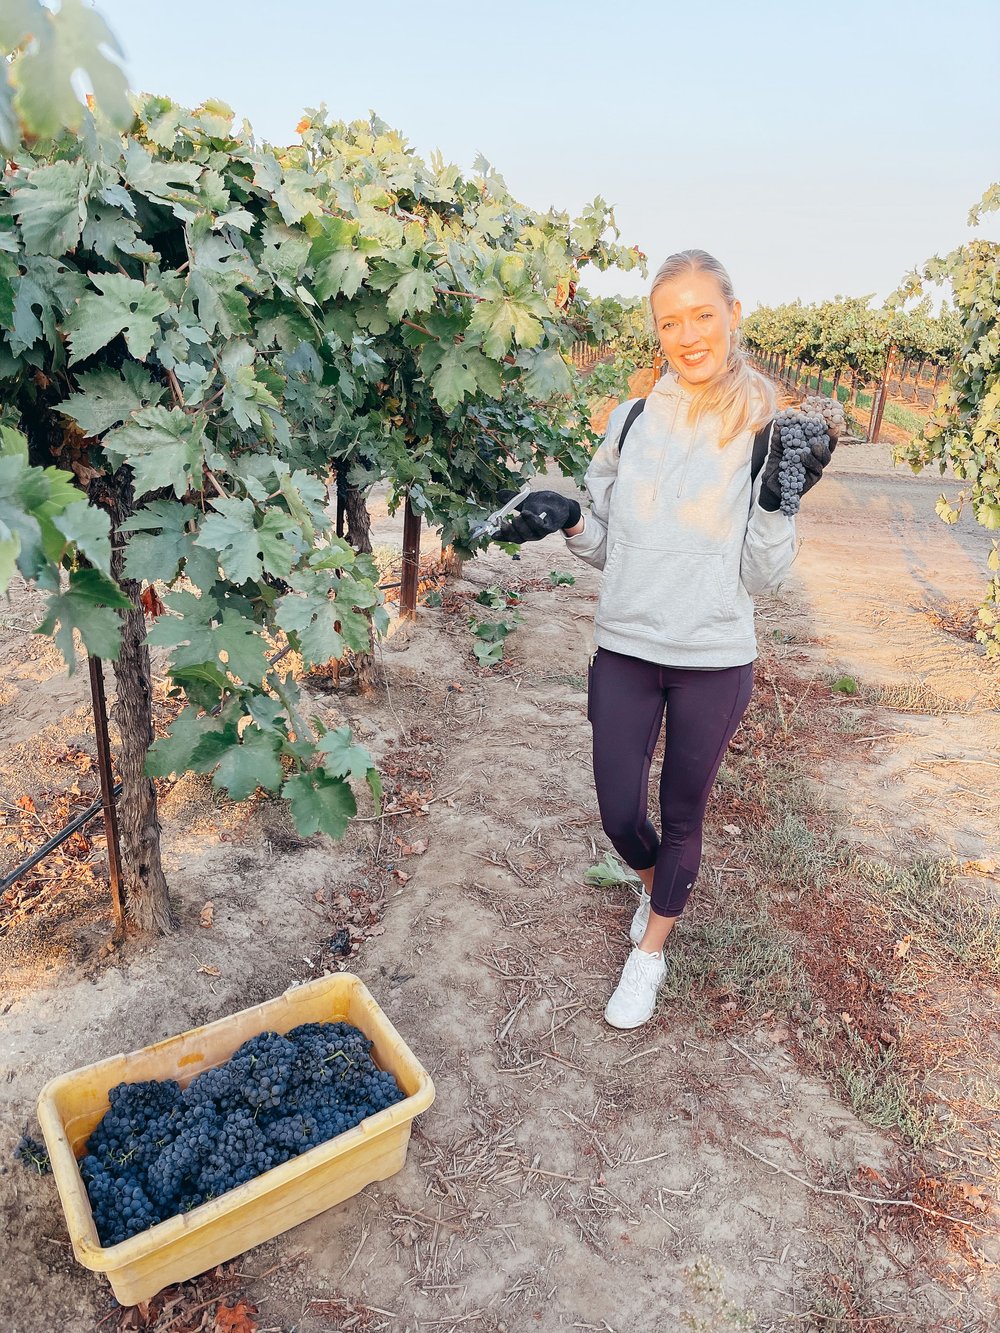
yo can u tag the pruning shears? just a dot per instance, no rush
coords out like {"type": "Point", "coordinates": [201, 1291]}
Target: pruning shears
{"type": "Point", "coordinates": [490, 525]}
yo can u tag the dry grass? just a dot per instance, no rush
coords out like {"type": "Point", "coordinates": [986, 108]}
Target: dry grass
{"type": "Point", "coordinates": [879, 967]}
{"type": "Point", "coordinates": [916, 698]}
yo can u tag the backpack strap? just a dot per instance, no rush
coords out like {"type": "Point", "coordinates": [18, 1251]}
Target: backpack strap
{"type": "Point", "coordinates": [635, 411]}
{"type": "Point", "coordinates": [761, 444]}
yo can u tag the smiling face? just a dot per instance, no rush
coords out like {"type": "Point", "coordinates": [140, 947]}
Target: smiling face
{"type": "Point", "coordinates": [695, 326]}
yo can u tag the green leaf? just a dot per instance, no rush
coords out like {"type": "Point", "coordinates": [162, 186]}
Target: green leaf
{"type": "Point", "coordinates": [320, 803]}
{"type": "Point", "coordinates": [171, 183]}
{"type": "Point", "coordinates": [88, 528]}
{"type": "Point", "coordinates": [124, 306]}
{"type": "Point", "coordinates": [413, 292]}
{"type": "Point", "coordinates": [46, 290]}
{"type": "Point", "coordinates": [374, 780]}
{"type": "Point", "coordinates": [172, 754]}
{"type": "Point", "coordinates": [310, 617]}
{"type": "Point", "coordinates": [243, 645]}
{"type": "Point", "coordinates": [74, 39]}
{"type": "Point", "coordinates": [243, 392]}
{"type": "Point", "coordinates": [546, 373]}
{"type": "Point", "coordinates": [455, 377]}
{"type": "Point", "coordinates": [504, 321]}
{"type": "Point", "coordinates": [160, 541]}
{"type": "Point", "coordinates": [50, 207]}
{"type": "Point", "coordinates": [280, 542]}
{"type": "Point", "coordinates": [341, 274]}
{"type": "Point", "coordinates": [86, 606]}
{"type": "Point", "coordinates": [108, 397]}
{"type": "Point", "coordinates": [10, 546]}
{"type": "Point", "coordinates": [109, 233]}
{"type": "Point", "coordinates": [164, 447]}
{"type": "Point", "coordinates": [268, 713]}
{"type": "Point", "coordinates": [343, 757]}
{"type": "Point", "coordinates": [610, 873]}
{"type": "Point", "coordinates": [9, 275]}
{"type": "Point", "coordinates": [200, 633]}
{"type": "Point", "coordinates": [253, 763]}
{"type": "Point", "coordinates": [244, 551]}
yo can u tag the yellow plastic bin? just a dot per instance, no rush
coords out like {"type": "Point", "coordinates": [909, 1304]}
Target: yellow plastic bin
{"type": "Point", "coordinates": [70, 1107]}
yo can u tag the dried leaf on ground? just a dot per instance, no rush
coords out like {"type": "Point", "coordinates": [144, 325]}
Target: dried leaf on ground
{"type": "Point", "coordinates": [974, 1195]}
{"type": "Point", "coordinates": [413, 848]}
{"type": "Point", "coordinates": [236, 1318]}
{"type": "Point", "coordinates": [207, 917]}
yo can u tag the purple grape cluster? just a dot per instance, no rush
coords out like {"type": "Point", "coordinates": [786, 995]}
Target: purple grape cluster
{"type": "Point", "coordinates": [799, 434]}
{"type": "Point", "coordinates": [818, 405]}
{"type": "Point", "coordinates": [161, 1150]}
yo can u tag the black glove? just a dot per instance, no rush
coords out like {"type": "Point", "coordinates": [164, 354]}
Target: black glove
{"type": "Point", "coordinates": [820, 453]}
{"type": "Point", "coordinates": [539, 515]}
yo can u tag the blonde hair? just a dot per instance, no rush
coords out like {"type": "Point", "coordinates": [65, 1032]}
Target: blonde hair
{"type": "Point", "coordinates": [739, 396]}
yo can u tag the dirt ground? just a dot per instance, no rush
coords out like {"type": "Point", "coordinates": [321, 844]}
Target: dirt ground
{"type": "Point", "coordinates": [695, 1174]}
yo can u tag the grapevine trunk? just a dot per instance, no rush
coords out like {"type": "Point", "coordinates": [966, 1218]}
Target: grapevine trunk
{"type": "Point", "coordinates": [146, 894]}
{"type": "Point", "coordinates": [359, 526]}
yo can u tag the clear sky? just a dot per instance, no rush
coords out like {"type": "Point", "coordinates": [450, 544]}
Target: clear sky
{"type": "Point", "coordinates": [817, 150]}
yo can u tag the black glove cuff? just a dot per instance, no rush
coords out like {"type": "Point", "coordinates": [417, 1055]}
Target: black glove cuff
{"type": "Point", "coordinates": [768, 502]}
{"type": "Point", "coordinates": [575, 514]}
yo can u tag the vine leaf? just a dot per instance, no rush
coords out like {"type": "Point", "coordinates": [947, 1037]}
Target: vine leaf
{"type": "Point", "coordinates": [460, 371]}
{"type": "Point", "coordinates": [253, 763]}
{"type": "Point", "coordinates": [161, 541]}
{"type": "Point", "coordinates": [343, 757]}
{"type": "Point", "coordinates": [320, 803]}
{"type": "Point", "coordinates": [108, 397]}
{"type": "Point", "coordinates": [76, 38]}
{"type": "Point", "coordinates": [86, 606]}
{"type": "Point", "coordinates": [501, 321]}
{"type": "Point", "coordinates": [163, 445]}
{"type": "Point", "coordinates": [173, 753]}
{"type": "Point", "coordinates": [201, 635]}
{"type": "Point", "coordinates": [245, 551]}
{"type": "Point", "coordinates": [88, 528]}
{"type": "Point", "coordinates": [124, 305]}
{"type": "Point", "coordinates": [50, 207]}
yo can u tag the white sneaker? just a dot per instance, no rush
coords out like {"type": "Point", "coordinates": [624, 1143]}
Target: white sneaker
{"type": "Point", "coordinates": [635, 995]}
{"type": "Point", "coordinates": [638, 926]}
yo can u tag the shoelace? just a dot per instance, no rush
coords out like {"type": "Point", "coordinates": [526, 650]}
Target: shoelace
{"type": "Point", "coordinates": [634, 974]}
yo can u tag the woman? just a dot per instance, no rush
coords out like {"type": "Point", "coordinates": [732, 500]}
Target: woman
{"type": "Point", "coordinates": [685, 538]}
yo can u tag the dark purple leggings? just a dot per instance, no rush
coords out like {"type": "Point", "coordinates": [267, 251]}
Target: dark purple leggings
{"type": "Point", "coordinates": [626, 699]}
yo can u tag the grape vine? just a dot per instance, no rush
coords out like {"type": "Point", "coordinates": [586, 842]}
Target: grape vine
{"type": "Point", "coordinates": [963, 433]}
{"type": "Point", "coordinates": [195, 329]}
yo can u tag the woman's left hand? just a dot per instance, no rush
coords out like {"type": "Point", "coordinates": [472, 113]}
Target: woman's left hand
{"type": "Point", "coordinates": [820, 453]}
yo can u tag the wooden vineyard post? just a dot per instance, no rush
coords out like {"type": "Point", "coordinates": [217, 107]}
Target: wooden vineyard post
{"type": "Point", "coordinates": [411, 563]}
{"type": "Point", "coordinates": [108, 795]}
{"type": "Point", "coordinates": [878, 403]}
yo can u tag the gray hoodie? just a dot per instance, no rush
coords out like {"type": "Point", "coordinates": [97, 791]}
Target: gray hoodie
{"type": "Point", "coordinates": [682, 541]}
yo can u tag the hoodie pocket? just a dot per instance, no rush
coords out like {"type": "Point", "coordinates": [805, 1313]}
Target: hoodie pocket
{"type": "Point", "coordinates": [672, 595]}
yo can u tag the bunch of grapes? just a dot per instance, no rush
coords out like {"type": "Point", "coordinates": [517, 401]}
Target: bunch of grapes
{"type": "Point", "coordinates": [29, 1152]}
{"type": "Point", "coordinates": [160, 1151]}
{"type": "Point", "coordinates": [818, 405]}
{"type": "Point", "coordinates": [799, 434]}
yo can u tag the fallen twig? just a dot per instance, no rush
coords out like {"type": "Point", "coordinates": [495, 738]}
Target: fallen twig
{"type": "Point", "coordinates": [863, 1198]}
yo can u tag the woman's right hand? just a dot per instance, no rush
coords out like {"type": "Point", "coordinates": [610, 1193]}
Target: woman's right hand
{"type": "Point", "coordinates": [539, 515]}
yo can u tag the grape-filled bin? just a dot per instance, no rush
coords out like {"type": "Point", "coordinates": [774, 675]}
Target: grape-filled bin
{"type": "Point", "coordinates": [70, 1107]}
